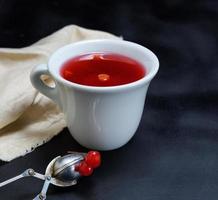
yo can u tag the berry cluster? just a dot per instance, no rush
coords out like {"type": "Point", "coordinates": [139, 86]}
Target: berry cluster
{"type": "Point", "coordinates": [91, 161]}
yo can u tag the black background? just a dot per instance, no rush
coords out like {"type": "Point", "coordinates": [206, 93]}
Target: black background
{"type": "Point", "coordinates": [174, 154]}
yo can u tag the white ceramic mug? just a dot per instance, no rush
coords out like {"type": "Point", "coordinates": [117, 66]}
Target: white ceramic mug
{"type": "Point", "coordinates": [102, 118]}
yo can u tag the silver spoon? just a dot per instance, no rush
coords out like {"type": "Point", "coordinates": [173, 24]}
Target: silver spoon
{"type": "Point", "coordinates": [60, 172]}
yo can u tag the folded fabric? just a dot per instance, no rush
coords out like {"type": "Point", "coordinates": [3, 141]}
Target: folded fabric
{"type": "Point", "coordinates": [27, 118]}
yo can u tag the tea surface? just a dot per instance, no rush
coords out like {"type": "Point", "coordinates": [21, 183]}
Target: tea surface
{"type": "Point", "coordinates": [102, 69]}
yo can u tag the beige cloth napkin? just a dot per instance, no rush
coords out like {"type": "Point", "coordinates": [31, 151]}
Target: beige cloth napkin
{"type": "Point", "coordinates": [27, 118]}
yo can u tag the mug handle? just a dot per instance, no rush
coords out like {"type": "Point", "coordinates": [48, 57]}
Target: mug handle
{"type": "Point", "coordinates": [36, 81]}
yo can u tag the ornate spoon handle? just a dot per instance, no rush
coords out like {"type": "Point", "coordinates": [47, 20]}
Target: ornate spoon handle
{"type": "Point", "coordinates": [26, 173]}
{"type": "Point", "coordinates": [42, 194]}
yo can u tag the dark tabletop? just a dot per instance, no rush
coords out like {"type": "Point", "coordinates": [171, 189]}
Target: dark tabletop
{"type": "Point", "coordinates": [174, 154]}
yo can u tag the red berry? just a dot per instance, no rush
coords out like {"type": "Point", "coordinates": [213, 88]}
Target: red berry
{"type": "Point", "coordinates": [93, 159]}
{"type": "Point", "coordinates": [84, 169]}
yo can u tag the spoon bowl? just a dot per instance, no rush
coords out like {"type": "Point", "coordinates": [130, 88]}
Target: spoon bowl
{"type": "Point", "coordinates": [63, 169]}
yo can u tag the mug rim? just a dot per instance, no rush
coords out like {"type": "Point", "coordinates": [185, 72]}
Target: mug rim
{"type": "Point", "coordinates": [148, 77]}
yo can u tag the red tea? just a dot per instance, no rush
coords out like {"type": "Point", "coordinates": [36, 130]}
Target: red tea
{"type": "Point", "coordinates": [102, 69]}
